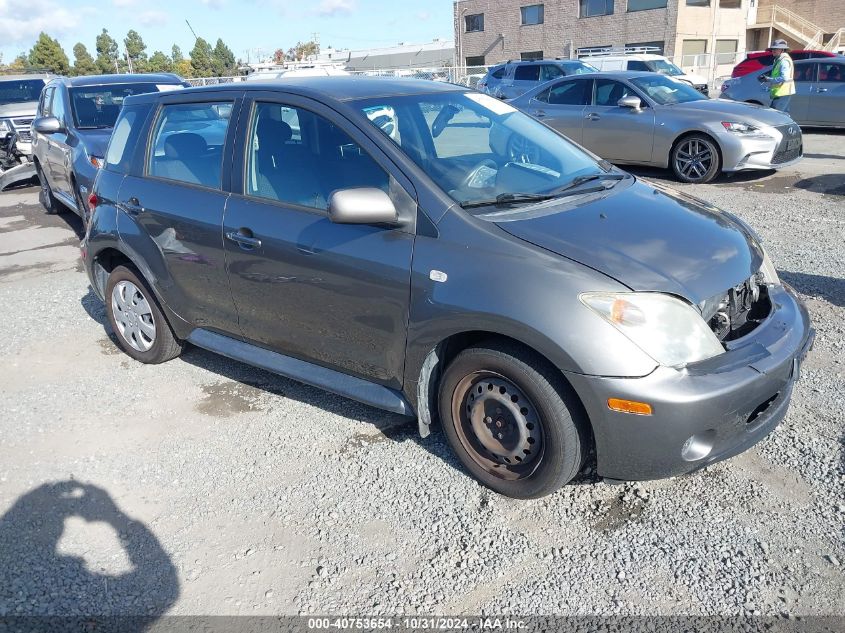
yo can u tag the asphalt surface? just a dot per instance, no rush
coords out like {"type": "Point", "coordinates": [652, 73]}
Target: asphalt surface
{"type": "Point", "coordinates": [203, 486]}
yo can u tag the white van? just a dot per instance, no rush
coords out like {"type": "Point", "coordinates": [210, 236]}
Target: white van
{"type": "Point", "coordinates": [636, 59]}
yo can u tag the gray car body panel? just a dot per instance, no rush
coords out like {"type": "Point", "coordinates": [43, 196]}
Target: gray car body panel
{"type": "Point", "coordinates": [493, 278]}
{"type": "Point", "coordinates": [815, 103]}
{"type": "Point", "coordinates": [651, 132]}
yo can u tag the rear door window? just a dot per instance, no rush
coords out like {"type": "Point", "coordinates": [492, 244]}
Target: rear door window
{"type": "Point", "coordinates": [527, 72]}
{"type": "Point", "coordinates": [805, 72]}
{"type": "Point", "coordinates": [188, 141]}
{"type": "Point", "coordinates": [831, 72]}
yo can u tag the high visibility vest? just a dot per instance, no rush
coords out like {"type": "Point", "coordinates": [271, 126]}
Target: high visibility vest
{"type": "Point", "coordinates": [784, 67]}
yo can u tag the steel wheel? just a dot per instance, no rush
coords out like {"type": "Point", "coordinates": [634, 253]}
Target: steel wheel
{"type": "Point", "coordinates": [498, 425]}
{"type": "Point", "coordinates": [696, 159]}
{"type": "Point", "coordinates": [133, 316]}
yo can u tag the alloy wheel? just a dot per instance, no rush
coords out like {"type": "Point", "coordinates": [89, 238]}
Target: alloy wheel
{"type": "Point", "coordinates": [498, 425]}
{"type": "Point", "coordinates": [694, 159]}
{"type": "Point", "coordinates": [133, 316]}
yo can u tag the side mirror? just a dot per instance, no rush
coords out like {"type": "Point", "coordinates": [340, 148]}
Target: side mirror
{"type": "Point", "coordinates": [47, 125]}
{"type": "Point", "coordinates": [635, 103]}
{"type": "Point", "coordinates": [366, 205]}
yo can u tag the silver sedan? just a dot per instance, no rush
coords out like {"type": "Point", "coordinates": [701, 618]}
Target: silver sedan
{"type": "Point", "coordinates": [819, 91]}
{"type": "Point", "coordinates": [651, 119]}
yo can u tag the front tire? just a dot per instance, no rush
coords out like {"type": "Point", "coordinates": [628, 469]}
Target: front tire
{"type": "Point", "coordinates": [512, 420]}
{"type": "Point", "coordinates": [136, 319]}
{"type": "Point", "coordinates": [695, 159]}
{"type": "Point", "coordinates": [45, 194]}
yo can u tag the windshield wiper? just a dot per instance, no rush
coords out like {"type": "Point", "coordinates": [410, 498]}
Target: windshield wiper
{"type": "Point", "coordinates": [515, 198]}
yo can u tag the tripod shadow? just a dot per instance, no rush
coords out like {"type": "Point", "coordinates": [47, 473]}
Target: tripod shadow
{"type": "Point", "coordinates": [39, 580]}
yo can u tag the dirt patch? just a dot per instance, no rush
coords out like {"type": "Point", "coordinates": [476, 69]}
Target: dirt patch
{"type": "Point", "coordinates": [229, 398]}
{"type": "Point", "coordinates": [363, 440]}
{"type": "Point", "coordinates": [621, 510]}
{"type": "Point", "coordinates": [108, 346]}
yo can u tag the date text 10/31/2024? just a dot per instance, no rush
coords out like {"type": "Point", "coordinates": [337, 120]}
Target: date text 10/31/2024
{"type": "Point", "coordinates": [417, 624]}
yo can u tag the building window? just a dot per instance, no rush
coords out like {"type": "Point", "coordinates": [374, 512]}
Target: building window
{"type": "Point", "coordinates": [658, 44]}
{"type": "Point", "coordinates": [726, 51]}
{"type": "Point", "coordinates": [531, 56]}
{"type": "Point", "coordinates": [644, 5]}
{"type": "Point", "coordinates": [730, 4]}
{"type": "Point", "coordinates": [532, 14]}
{"type": "Point", "coordinates": [692, 52]}
{"type": "Point", "coordinates": [698, 3]}
{"type": "Point", "coordinates": [475, 61]}
{"type": "Point", "coordinates": [474, 23]}
{"type": "Point", "coordinates": [592, 8]}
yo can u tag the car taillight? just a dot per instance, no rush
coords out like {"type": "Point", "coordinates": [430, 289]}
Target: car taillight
{"type": "Point", "coordinates": [93, 201]}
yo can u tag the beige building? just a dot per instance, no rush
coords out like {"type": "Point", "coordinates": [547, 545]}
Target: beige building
{"type": "Point", "coordinates": [705, 36]}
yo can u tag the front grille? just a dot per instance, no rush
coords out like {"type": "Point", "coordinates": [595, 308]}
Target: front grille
{"type": "Point", "coordinates": [739, 311]}
{"type": "Point", "coordinates": [22, 123]}
{"type": "Point", "coordinates": [783, 153]}
{"type": "Point", "coordinates": [703, 89]}
{"type": "Point", "coordinates": [25, 136]}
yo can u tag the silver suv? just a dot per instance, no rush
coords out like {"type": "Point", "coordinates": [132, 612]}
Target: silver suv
{"type": "Point", "coordinates": [519, 77]}
{"type": "Point", "coordinates": [18, 101]}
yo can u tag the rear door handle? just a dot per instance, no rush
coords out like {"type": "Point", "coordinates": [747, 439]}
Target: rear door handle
{"type": "Point", "coordinates": [593, 116]}
{"type": "Point", "coordinates": [821, 89]}
{"type": "Point", "coordinates": [244, 239]}
{"type": "Point", "coordinates": [133, 206]}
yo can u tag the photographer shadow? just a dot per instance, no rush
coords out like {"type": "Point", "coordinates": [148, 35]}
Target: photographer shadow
{"type": "Point", "coordinates": [39, 582]}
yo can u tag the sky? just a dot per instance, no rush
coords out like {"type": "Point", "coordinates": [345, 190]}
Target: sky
{"type": "Point", "coordinates": [244, 26]}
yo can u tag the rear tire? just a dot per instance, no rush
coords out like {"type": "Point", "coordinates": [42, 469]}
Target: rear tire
{"type": "Point", "coordinates": [512, 420]}
{"type": "Point", "coordinates": [696, 159]}
{"type": "Point", "coordinates": [45, 194]}
{"type": "Point", "coordinates": [137, 320]}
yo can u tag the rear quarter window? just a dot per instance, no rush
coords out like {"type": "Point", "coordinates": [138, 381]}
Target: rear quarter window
{"type": "Point", "coordinates": [124, 139]}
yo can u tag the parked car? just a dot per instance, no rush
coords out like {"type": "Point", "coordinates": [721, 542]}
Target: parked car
{"type": "Point", "coordinates": [540, 307]}
{"type": "Point", "coordinates": [18, 101]}
{"type": "Point", "coordinates": [646, 62]}
{"type": "Point", "coordinates": [819, 97]}
{"type": "Point", "coordinates": [758, 60]}
{"type": "Point", "coordinates": [650, 119]}
{"type": "Point", "coordinates": [520, 76]}
{"type": "Point", "coordinates": [491, 79]}
{"type": "Point", "coordinates": [73, 125]}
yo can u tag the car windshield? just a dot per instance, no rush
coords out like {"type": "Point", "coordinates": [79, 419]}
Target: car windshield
{"type": "Point", "coordinates": [579, 68]}
{"type": "Point", "coordinates": [664, 68]}
{"type": "Point", "coordinates": [478, 148]}
{"type": "Point", "coordinates": [98, 106]}
{"type": "Point", "coordinates": [666, 91]}
{"type": "Point", "coordinates": [20, 90]}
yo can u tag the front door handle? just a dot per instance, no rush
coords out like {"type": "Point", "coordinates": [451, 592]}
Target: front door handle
{"type": "Point", "coordinates": [593, 116]}
{"type": "Point", "coordinates": [244, 238]}
{"type": "Point", "coordinates": [821, 89]}
{"type": "Point", "coordinates": [133, 206]}
{"type": "Point", "coordinates": [539, 113]}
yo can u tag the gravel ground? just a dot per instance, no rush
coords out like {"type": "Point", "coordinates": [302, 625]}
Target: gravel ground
{"type": "Point", "coordinates": [203, 486]}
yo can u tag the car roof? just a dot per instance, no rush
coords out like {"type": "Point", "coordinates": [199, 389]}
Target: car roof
{"type": "Point", "coordinates": [544, 61]}
{"type": "Point", "coordinates": [612, 74]}
{"type": "Point", "coordinates": [24, 77]}
{"type": "Point", "coordinates": [332, 88]}
{"type": "Point", "coordinates": [634, 56]}
{"type": "Point", "coordinates": [107, 80]}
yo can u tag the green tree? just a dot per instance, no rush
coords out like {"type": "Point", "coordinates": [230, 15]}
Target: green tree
{"type": "Point", "coordinates": [21, 62]}
{"type": "Point", "coordinates": [183, 68]}
{"type": "Point", "coordinates": [176, 54]}
{"type": "Point", "coordinates": [302, 50]}
{"type": "Point", "coordinates": [224, 60]}
{"type": "Point", "coordinates": [202, 59]}
{"type": "Point", "coordinates": [107, 53]}
{"type": "Point", "coordinates": [48, 54]}
{"type": "Point", "coordinates": [136, 51]}
{"type": "Point", "coordinates": [160, 63]}
{"type": "Point", "coordinates": [83, 63]}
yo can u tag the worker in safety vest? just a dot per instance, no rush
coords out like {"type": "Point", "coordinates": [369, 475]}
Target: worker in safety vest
{"type": "Point", "coordinates": [782, 78]}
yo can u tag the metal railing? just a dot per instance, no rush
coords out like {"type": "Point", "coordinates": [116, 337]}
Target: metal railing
{"type": "Point", "coordinates": [836, 42]}
{"type": "Point", "coordinates": [214, 81]}
{"type": "Point", "coordinates": [788, 21]}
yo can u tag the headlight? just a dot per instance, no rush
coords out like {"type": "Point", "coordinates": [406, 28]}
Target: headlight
{"type": "Point", "coordinates": [768, 271]}
{"type": "Point", "coordinates": [4, 126]}
{"type": "Point", "coordinates": [96, 161]}
{"type": "Point", "coordinates": [743, 129]}
{"type": "Point", "coordinates": [669, 330]}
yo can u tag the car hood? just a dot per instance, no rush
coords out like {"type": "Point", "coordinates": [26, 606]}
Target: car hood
{"type": "Point", "coordinates": [727, 108]}
{"type": "Point", "coordinates": [26, 109]}
{"type": "Point", "coordinates": [95, 142]}
{"type": "Point", "coordinates": [649, 238]}
{"type": "Point", "coordinates": [697, 80]}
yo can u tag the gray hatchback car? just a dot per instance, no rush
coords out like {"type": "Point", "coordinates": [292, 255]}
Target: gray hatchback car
{"type": "Point", "coordinates": [72, 128]}
{"type": "Point", "coordinates": [541, 305]}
